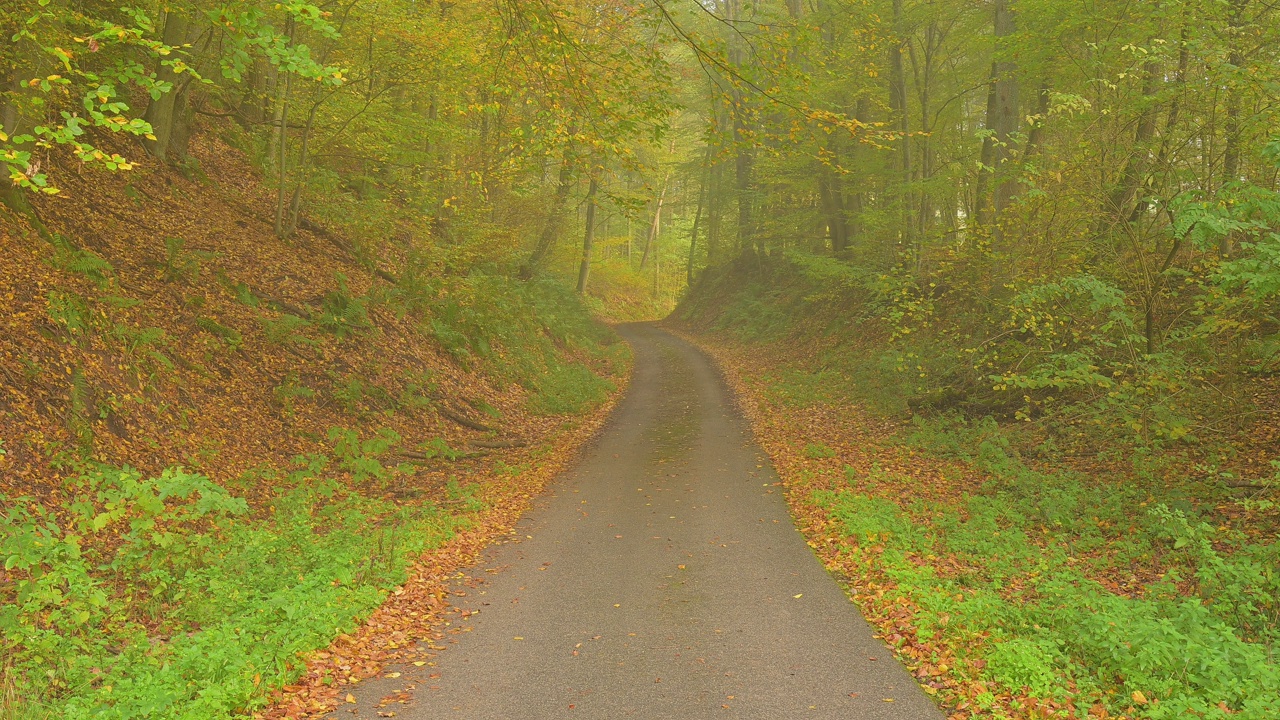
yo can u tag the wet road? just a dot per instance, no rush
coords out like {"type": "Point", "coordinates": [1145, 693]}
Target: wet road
{"type": "Point", "coordinates": [663, 579]}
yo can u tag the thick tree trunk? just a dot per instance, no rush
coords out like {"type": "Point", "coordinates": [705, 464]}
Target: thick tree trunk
{"type": "Point", "coordinates": [169, 114]}
{"type": "Point", "coordinates": [1006, 119]}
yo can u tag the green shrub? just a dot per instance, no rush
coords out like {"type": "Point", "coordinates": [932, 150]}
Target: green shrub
{"type": "Point", "coordinates": [568, 389]}
{"type": "Point", "coordinates": [69, 258]}
{"type": "Point", "coordinates": [285, 329]}
{"type": "Point", "coordinates": [1054, 628]}
{"type": "Point", "coordinates": [71, 312]}
{"type": "Point", "coordinates": [341, 313]}
{"type": "Point", "coordinates": [288, 392]}
{"type": "Point", "coordinates": [362, 458]}
{"type": "Point", "coordinates": [228, 335]}
{"type": "Point", "coordinates": [535, 333]}
{"type": "Point", "coordinates": [182, 265]}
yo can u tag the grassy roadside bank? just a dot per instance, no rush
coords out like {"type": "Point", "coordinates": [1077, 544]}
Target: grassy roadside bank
{"type": "Point", "coordinates": [1013, 582]}
{"type": "Point", "coordinates": [409, 623]}
{"type": "Point", "coordinates": [181, 600]}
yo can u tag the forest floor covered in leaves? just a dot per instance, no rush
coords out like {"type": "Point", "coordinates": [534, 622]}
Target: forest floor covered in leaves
{"type": "Point", "coordinates": [1012, 581]}
{"type": "Point", "coordinates": [220, 450]}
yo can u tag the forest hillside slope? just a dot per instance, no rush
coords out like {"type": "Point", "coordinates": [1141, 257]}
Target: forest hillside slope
{"type": "Point", "coordinates": [219, 448]}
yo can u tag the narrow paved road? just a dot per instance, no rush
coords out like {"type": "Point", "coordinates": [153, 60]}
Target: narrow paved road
{"type": "Point", "coordinates": [663, 578]}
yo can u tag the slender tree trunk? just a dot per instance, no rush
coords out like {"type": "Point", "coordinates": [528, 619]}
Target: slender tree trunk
{"type": "Point", "coordinates": [304, 152]}
{"type": "Point", "coordinates": [588, 235]}
{"type": "Point", "coordinates": [1035, 138]}
{"type": "Point", "coordinates": [655, 227]}
{"type": "Point", "coordinates": [744, 160]}
{"type": "Point", "coordinates": [898, 106]}
{"type": "Point", "coordinates": [1231, 126]}
{"type": "Point", "coordinates": [550, 230]}
{"type": "Point", "coordinates": [715, 202]}
{"type": "Point", "coordinates": [982, 210]}
{"type": "Point", "coordinates": [282, 144]}
{"type": "Point", "coordinates": [831, 195]}
{"type": "Point", "coordinates": [924, 71]}
{"type": "Point", "coordinates": [657, 267]}
{"type": "Point", "coordinates": [697, 217]}
{"type": "Point", "coordinates": [1135, 166]}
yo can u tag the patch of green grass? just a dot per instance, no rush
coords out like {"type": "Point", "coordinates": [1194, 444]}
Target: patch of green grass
{"type": "Point", "coordinates": [568, 389]}
{"type": "Point", "coordinates": [166, 598]}
{"type": "Point", "coordinates": [1035, 542]}
{"type": "Point", "coordinates": [537, 334]}
{"type": "Point", "coordinates": [815, 451]}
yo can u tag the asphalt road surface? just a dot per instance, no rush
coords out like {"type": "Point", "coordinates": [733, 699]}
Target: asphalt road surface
{"type": "Point", "coordinates": [663, 579]}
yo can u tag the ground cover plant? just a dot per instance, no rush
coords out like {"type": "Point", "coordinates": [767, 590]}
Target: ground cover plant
{"type": "Point", "coordinates": [1014, 580]}
{"type": "Point", "coordinates": [166, 597]}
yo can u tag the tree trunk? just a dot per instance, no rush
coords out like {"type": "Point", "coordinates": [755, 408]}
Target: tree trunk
{"type": "Point", "coordinates": [1231, 126]}
{"type": "Point", "coordinates": [588, 235]}
{"type": "Point", "coordinates": [170, 115]}
{"type": "Point", "coordinates": [898, 106]}
{"type": "Point", "coordinates": [1135, 166]}
{"type": "Point", "coordinates": [982, 211]}
{"type": "Point", "coordinates": [1006, 107]}
{"type": "Point", "coordinates": [655, 227]}
{"type": "Point", "coordinates": [1035, 138]}
{"type": "Point", "coordinates": [282, 168]}
{"type": "Point", "coordinates": [715, 203]}
{"type": "Point", "coordinates": [697, 217]}
{"type": "Point", "coordinates": [551, 229]}
{"type": "Point", "coordinates": [744, 160]}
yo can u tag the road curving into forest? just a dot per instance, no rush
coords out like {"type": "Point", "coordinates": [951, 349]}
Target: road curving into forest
{"type": "Point", "coordinates": [662, 577]}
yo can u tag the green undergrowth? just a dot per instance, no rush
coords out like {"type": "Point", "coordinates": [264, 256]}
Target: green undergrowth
{"type": "Point", "coordinates": [171, 597]}
{"type": "Point", "coordinates": [1124, 588]}
{"type": "Point", "coordinates": [1069, 354]}
{"type": "Point", "coordinates": [1200, 640]}
{"type": "Point", "coordinates": [537, 334]}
